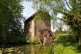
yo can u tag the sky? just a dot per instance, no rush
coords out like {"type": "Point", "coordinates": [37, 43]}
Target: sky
{"type": "Point", "coordinates": [28, 10]}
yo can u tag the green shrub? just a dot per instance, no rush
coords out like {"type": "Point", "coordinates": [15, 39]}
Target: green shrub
{"type": "Point", "coordinates": [60, 49]}
{"type": "Point", "coordinates": [65, 44]}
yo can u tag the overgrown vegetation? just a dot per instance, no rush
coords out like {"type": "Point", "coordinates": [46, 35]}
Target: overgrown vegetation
{"type": "Point", "coordinates": [10, 22]}
{"type": "Point", "coordinates": [65, 44]}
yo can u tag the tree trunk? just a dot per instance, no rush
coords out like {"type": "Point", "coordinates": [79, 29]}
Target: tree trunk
{"type": "Point", "coordinates": [80, 39]}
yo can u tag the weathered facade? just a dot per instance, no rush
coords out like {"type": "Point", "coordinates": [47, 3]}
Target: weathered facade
{"type": "Point", "coordinates": [32, 27]}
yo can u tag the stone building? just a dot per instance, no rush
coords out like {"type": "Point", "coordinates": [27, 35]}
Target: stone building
{"type": "Point", "coordinates": [35, 23]}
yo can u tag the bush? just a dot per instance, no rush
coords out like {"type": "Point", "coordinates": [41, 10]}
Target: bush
{"type": "Point", "coordinates": [16, 39]}
{"type": "Point", "coordinates": [60, 49]}
{"type": "Point", "coordinates": [65, 44]}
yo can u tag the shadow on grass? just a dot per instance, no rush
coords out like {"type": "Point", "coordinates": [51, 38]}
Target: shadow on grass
{"type": "Point", "coordinates": [78, 49]}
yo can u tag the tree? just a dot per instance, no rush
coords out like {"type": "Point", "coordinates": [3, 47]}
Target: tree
{"type": "Point", "coordinates": [10, 16]}
{"type": "Point", "coordinates": [71, 10]}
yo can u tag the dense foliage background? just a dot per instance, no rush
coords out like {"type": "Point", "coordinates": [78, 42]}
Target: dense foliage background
{"type": "Point", "coordinates": [10, 20]}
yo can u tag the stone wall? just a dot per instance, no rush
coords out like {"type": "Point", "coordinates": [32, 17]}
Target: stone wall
{"type": "Point", "coordinates": [40, 25]}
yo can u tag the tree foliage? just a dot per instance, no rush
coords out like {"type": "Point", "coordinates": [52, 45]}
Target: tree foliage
{"type": "Point", "coordinates": [10, 16]}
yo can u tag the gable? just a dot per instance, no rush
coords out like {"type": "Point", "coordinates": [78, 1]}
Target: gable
{"type": "Point", "coordinates": [43, 15]}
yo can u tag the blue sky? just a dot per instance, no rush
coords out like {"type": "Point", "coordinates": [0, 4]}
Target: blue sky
{"type": "Point", "coordinates": [28, 10]}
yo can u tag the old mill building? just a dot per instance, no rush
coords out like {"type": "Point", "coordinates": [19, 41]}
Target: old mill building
{"type": "Point", "coordinates": [35, 23]}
